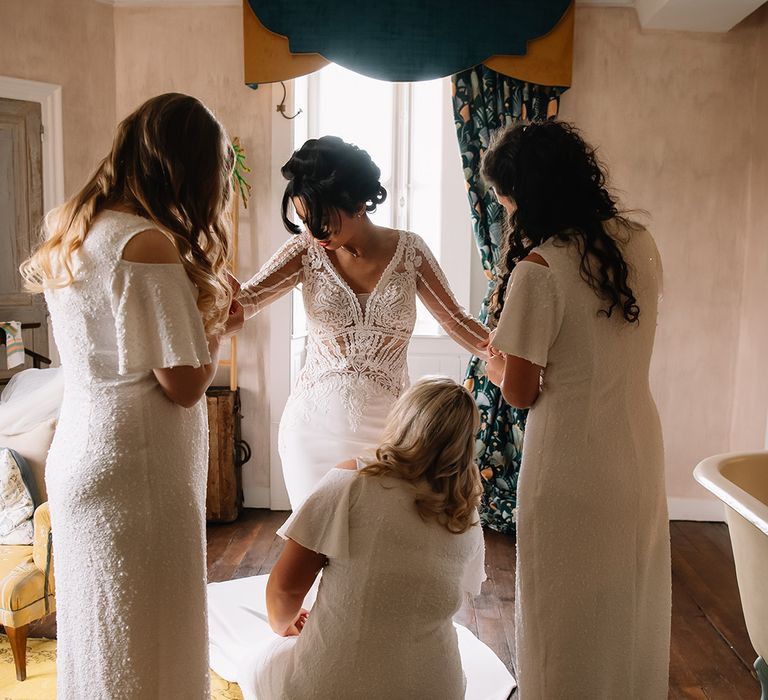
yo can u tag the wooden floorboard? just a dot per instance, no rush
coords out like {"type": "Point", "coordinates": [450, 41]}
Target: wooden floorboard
{"type": "Point", "coordinates": [239, 541]}
{"type": "Point", "coordinates": [500, 568]}
{"type": "Point", "coordinates": [711, 656]}
{"type": "Point", "coordinates": [710, 580]}
{"type": "Point", "coordinates": [252, 563]}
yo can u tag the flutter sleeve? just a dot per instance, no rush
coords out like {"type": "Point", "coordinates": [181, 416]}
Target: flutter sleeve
{"type": "Point", "coordinates": [157, 322]}
{"type": "Point", "coordinates": [434, 291]}
{"type": "Point", "coordinates": [278, 276]}
{"type": "Point", "coordinates": [321, 523]}
{"type": "Point", "coordinates": [474, 571]}
{"type": "Point", "coordinates": [532, 314]}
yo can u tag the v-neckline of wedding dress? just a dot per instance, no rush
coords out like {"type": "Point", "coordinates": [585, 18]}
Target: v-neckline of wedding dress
{"type": "Point", "coordinates": [363, 311]}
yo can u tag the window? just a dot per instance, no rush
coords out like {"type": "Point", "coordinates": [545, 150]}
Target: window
{"type": "Point", "coordinates": [408, 130]}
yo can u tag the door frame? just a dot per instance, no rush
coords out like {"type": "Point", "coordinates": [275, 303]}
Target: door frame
{"type": "Point", "coordinates": [48, 95]}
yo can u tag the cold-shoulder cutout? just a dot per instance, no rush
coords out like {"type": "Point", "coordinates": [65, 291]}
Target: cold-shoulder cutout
{"type": "Point", "coordinates": [535, 258]}
{"type": "Point", "coordinates": [350, 464]}
{"type": "Point", "coordinates": [151, 246]}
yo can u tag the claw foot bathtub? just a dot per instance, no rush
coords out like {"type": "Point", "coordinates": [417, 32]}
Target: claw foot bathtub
{"type": "Point", "coordinates": [740, 481]}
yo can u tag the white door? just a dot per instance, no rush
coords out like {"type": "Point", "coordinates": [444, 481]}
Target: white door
{"type": "Point", "coordinates": [21, 213]}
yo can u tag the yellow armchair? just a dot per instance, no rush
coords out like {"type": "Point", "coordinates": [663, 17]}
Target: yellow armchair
{"type": "Point", "coordinates": [27, 590]}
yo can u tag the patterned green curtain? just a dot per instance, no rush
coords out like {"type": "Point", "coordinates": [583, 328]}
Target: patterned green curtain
{"type": "Point", "coordinates": [484, 101]}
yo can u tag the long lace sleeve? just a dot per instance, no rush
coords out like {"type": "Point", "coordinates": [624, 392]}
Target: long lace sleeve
{"type": "Point", "coordinates": [433, 290]}
{"type": "Point", "coordinates": [280, 274]}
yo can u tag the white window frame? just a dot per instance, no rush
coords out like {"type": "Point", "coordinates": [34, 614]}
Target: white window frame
{"type": "Point", "coordinates": [428, 354]}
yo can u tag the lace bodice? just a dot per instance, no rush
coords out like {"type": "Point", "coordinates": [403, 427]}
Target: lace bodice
{"type": "Point", "coordinates": [353, 348]}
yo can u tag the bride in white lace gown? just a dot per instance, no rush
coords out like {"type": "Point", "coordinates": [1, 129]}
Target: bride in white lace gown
{"type": "Point", "coordinates": [359, 284]}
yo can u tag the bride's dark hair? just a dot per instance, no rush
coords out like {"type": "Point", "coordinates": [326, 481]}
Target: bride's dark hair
{"type": "Point", "coordinates": [328, 175]}
{"type": "Point", "coordinates": [559, 188]}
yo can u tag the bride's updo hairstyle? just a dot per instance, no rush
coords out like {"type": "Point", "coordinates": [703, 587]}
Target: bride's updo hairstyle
{"type": "Point", "coordinates": [429, 442]}
{"type": "Point", "coordinates": [329, 175]}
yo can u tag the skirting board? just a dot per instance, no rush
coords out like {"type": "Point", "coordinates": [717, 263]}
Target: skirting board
{"type": "Point", "coordinates": [256, 497]}
{"type": "Point", "coordinates": [699, 509]}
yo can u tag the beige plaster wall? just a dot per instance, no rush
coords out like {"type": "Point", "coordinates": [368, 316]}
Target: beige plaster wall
{"type": "Point", "coordinates": [749, 429]}
{"type": "Point", "coordinates": [676, 117]}
{"type": "Point", "coordinates": [69, 43]}
{"type": "Point", "coordinates": [672, 115]}
{"type": "Point", "coordinates": [198, 50]}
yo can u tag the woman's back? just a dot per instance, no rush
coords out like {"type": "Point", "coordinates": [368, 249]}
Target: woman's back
{"type": "Point", "coordinates": [103, 321]}
{"type": "Point", "coordinates": [596, 392]}
{"type": "Point", "coordinates": [593, 537]}
{"type": "Point", "coordinates": [382, 623]}
{"type": "Point", "coordinates": [603, 351]}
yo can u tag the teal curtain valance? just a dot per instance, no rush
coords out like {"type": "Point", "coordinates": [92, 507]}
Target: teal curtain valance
{"type": "Point", "coordinates": [403, 40]}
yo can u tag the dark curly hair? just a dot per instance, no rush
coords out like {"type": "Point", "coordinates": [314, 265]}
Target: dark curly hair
{"type": "Point", "coordinates": [328, 175]}
{"type": "Point", "coordinates": [559, 188]}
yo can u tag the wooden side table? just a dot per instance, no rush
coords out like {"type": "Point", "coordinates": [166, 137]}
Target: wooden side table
{"type": "Point", "coordinates": [227, 454]}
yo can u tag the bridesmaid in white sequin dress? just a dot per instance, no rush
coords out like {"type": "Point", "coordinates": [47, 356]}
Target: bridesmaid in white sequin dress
{"type": "Point", "coordinates": [136, 325]}
{"type": "Point", "coordinates": [576, 331]}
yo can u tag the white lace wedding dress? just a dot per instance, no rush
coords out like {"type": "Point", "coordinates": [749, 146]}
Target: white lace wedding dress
{"type": "Point", "coordinates": [356, 362]}
{"type": "Point", "coordinates": [356, 367]}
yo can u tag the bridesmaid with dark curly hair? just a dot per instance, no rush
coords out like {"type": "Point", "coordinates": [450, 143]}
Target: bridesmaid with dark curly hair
{"type": "Point", "coordinates": [576, 326]}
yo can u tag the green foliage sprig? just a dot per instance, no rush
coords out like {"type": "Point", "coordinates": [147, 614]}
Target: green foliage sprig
{"type": "Point", "coordinates": [239, 171]}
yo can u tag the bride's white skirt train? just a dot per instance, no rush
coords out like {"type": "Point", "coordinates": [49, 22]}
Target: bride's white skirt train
{"type": "Point", "coordinates": [240, 635]}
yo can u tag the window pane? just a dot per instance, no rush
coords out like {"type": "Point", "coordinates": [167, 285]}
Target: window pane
{"type": "Point", "coordinates": [426, 161]}
{"type": "Point", "coordinates": [359, 110]}
{"type": "Point", "coordinates": [383, 216]}
{"type": "Point", "coordinates": [425, 185]}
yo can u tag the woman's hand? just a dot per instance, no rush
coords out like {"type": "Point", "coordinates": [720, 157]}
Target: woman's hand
{"type": "Point", "coordinates": [235, 320]}
{"type": "Point", "coordinates": [295, 628]}
{"type": "Point", "coordinates": [233, 282]}
{"type": "Point", "coordinates": [483, 350]}
{"type": "Point", "coordinates": [494, 368]}
{"type": "Point", "coordinates": [492, 351]}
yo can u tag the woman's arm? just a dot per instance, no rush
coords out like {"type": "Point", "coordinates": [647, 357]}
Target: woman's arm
{"type": "Point", "coordinates": [187, 385]}
{"type": "Point", "coordinates": [184, 385]}
{"type": "Point", "coordinates": [288, 584]}
{"type": "Point", "coordinates": [433, 289]}
{"type": "Point", "coordinates": [518, 379]}
{"type": "Point", "coordinates": [278, 276]}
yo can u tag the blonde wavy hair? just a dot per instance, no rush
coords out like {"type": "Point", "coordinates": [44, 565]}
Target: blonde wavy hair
{"type": "Point", "coordinates": [429, 442]}
{"type": "Point", "coordinates": [171, 163]}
